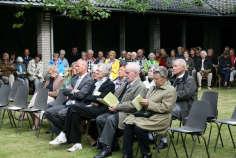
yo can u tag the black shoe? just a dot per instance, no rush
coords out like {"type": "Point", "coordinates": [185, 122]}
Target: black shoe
{"type": "Point", "coordinates": [162, 145]}
{"type": "Point", "coordinates": [104, 153]}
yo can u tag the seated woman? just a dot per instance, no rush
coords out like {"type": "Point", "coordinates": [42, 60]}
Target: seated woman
{"type": "Point", "coordinates": [114, 64]}
{"type": "Point", "coordinates": [158, 104]}
{"type": "Point", "coordinates": [21, 71]}
{"type": "Point", "coordinates": [53, 84]}
{"type": "Point", "coordinates": [149, 79]}
{"type": "Point", "coordinates": [87, 109]}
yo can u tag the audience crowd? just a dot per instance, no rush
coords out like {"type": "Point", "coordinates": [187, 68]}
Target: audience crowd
{"type": "Point", "coordinates": [166, 83]}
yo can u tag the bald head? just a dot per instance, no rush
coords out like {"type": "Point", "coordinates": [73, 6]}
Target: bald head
{"type": "Point", "coordinates": [132, 71]}
{"type": "Point", "coordinates": [81, 67]}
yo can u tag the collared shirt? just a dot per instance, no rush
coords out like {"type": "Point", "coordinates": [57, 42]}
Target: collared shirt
{"type": "Point", "coordinates": [80, 78]}
{"type": "Point", "coordinates": [202, 67]}
{"type": "Point", "coordinates": [180, 76]}
{"type": "Point", "coordinates": [98, 85]}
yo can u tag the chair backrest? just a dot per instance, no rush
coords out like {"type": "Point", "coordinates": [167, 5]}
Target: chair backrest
{"type": "Point", "coordinates": [198, 115]}
{"type": "Point", "coordinates": [4, 94]}
{"type": "Point", "coordinates": [13, 90]}
{"type": "Point", "coordinates": [234, 114]}
{"type": "Point", "coordinates": [60, 99]}
{"type": "Point", "coordinates": [41, 99]}
{"type": "Point", "coordinates": [212, 98]}
{"type": "Point", "coordinates": [21, 96]}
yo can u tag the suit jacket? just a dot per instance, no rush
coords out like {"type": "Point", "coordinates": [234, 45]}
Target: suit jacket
{"type": "Point", "coordinates": [105, 88]}
{"type": "Point", "coordinates": [84, 87]}
{"type": "Point", "coordinates": [125, 107]}
{"type": "Point", "coordinates": [161, 102]}
{"type": "Point", "coordinates": [207, 64]}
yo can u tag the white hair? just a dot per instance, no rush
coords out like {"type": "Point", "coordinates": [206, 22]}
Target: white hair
{"type": "Point", "coordinates": [62, 51]}
{"type": "Point", "coordinates": [132, 66]}
{"type": "Point", "coordinates": [181, 62]}
{"type": "Point", "coordinates": [19, 59]}
{"type": "Point", "coordinates": [104, 68]}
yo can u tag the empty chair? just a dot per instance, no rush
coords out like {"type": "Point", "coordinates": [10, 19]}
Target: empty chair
{"type": "Point", "coordinates": [228, 122]}
{"type": "Point", "coordinates": [19, 103]}
{"type": "Point", "coordinates": [195, 126]}
{"type": "Point", "coordinates": [212, 98]}
{"type": "Point", "coordinates": [40, 105]}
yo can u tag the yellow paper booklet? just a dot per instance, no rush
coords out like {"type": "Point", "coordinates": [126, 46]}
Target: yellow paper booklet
{"type": "Point", "coordinates": [136, 102]}
{"type": "Point", "coordinates": [110, 100]}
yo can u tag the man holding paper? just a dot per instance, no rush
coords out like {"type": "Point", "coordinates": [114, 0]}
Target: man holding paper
{"type": "Point", "coordinates": [108, 123]}
{"type": "Point", "coordinates": [154, 116]}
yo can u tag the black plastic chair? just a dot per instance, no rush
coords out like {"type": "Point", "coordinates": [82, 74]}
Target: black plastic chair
{"type": "Point", "coordinates": [4, 94]}
{"type": "Point", "coordinates": [19, 104]}
{"type": "Point", "coordinates": [212, 98]}
{"type": "Point", "coordinates": [195, 126]}
{"type": "Point", "coordinates": [40, 105]}
{"type": "Point", "coordinates": [228, 122]}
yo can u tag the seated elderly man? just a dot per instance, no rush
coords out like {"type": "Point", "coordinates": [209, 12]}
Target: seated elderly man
{"type": "Point", "coordinates": [87, 109]}
{"type": "Point", "coordinates": [203, 67]}
{"type": "Point", "coordinates": [186, 89]}
{"type": "Point", "coordinates": [108, 123]}
{"type": "Point", "coordinates": [6, 70]}
{"type": "Point", "coordinates": [158, 104]}
{"type": "Point", "coordinates": [81, 84]}
{"type": "Point", "coordinates": [35, 71]}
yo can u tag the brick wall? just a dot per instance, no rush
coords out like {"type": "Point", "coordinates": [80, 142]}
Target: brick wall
{"type": "Point", "coordinates": [45, 37]}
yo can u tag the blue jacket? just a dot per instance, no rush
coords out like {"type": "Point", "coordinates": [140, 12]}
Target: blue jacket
{"type": "Point", "coordinates": [60, 66]}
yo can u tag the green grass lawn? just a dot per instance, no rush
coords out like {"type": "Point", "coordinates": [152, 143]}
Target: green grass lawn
{"type": "Point", "coordinates": [26, 145]}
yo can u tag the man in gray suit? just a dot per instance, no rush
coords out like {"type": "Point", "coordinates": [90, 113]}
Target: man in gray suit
{"type": "Point", "coordinates": [82, 84]}
{"type": "Point", "coordinates": [108, 123]}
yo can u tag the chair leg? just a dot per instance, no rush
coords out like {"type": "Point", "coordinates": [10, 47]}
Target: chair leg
{"type": "Point", "coordinates": [184, 145]}
{"type": "Point", "coordinates": [218, 135]}
{"type": "Point", "coordinates": [177, 141]}
{"type": "Point", "coordinates": [221, 140]}
{"type": "Point", "coordinates": [209, 136]}
{"type": "Point", "coordinates": [193, 147]}
{"type": "Point", "coordinates": [12, 120]}
{"type": "Point", "coordinates": [28, 118]}
{"type": "Point", "coordinates": [171, 136]}
{"type": "Point", "coordinates": [206, 147]}
{"type": "Point", "coordinates": [232, 139]}
{"type": "Point", "coordinates": [2, 117]}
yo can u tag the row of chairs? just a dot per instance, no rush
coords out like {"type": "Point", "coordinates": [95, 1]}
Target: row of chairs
{"type": "Point", "coordinates": [19, 103]}
{"type": "Point", "coordinates": [203, 112]}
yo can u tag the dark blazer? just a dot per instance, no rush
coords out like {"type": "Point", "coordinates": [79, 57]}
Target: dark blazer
{"type": "Point", "coordinates": [84, 88]}
{"type": "Point", "coordinates": [207, 64]}
{"type": "Point", "coordinates": [106, 87]}
{"type": "Point", "coordinates": [224, 63]}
